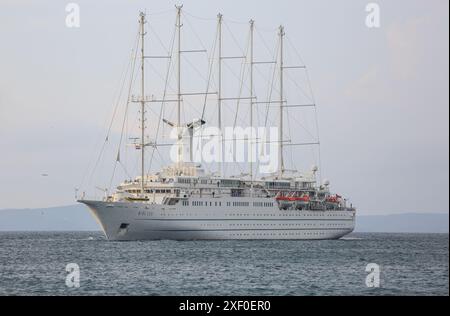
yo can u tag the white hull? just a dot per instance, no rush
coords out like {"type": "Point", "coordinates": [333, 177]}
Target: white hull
{"type": "Point", "coordinates": [141, 221]}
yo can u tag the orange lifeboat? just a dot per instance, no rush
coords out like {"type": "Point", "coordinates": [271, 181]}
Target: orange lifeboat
{"type": "Point", "coordinates": [301, 201]}
{"type": "Point", "coordinates": [284, 201]}
{"type": "Point", "coordinates": [333, 199]}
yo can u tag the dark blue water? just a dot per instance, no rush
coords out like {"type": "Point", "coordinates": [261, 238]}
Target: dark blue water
{"type": "Point", "coordinates": [411, 264]}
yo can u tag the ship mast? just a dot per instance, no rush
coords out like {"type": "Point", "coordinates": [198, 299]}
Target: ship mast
{"type": "Point", "coordinates": [280, 133]}
{"type": "Point", "coordinates": [219, 92]}
{"type": "Point", "coordinates": [252, 28]}
{"type": "Point", "coordinates": [142, 22]}
{"type": "Point", "coordinates": [179, 25]}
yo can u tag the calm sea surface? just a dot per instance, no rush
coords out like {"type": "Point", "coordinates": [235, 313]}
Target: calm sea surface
{"type": "Point", "coordinates": [410, 264]}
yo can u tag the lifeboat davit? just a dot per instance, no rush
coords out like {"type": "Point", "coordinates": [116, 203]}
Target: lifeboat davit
{"type": "Point", "coordinates": [301, 201]}
{"type": "Point", "coordinates": [289, 201]}
{"type": "Point", "coordinates": [284, 201]}
{"type": "Point", "coordinates": [333, 199]}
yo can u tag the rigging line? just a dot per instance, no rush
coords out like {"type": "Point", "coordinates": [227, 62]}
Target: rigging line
{"type": "Point", "coordinates": [207, 80]}
{"type": "Point", "coordinates": [116, 98]}
{"type": "Point", "coordinates": [270, 51]}
{"type": "Point", "coordinates": [195, 69]}
{"type": "Point", "coordinates": [294, 167]}
{"type": "Point", "coordinates": [125, 170]}
{"type": "Point", "coordinates": [310, 86]}
{"type": "Point", "coordinates": [112, 177]}
{"type": "Point", "coordinates": [306, 69]}
{"type": "Point", "coordinates": [160, 12]}
{"type": "Point", "coordinates": [311, 98]}
{"type": "Point", "coordinates": [210, 71]}
{"type": "Point", "coordinates": [269, 80]}
{"type": "Point", "coordinates": [299, 87]}
{"type": "Point", "coordinates": [230, 21]}
{"type": "Point", "coordinates": [163, 78]}
{"type": "Point", "coordinates": [242, 76]}
{"type": "Point", "coordinates": [133, 78]}
{"type": "Point", "coordinates": [234, 38]}
{"type": "Point", "coordinates": [160, 156]}
{"type": "Point", "coordinates": [112, 120]}
{"type": "Point", "coordinates": [158, 38]}
{"type": "Point", "coordinates": [188, 23]}
{"type": "Point", "coordinates": [239, 100]}
{"type": "Point", "coordinates": [243, 123]}
{"type": "Point", "coordinates": [235, 75]}
{"type": "Point", "coordinates": [242, 120]}
{"type": "Point", "coordinates": [295, 50]}
{"type": "Point", "coordinates": [117, 104]}
{"type": "Point", "coordinates": [316, 116]}
{"type": "Point", "coordinates": [315, 108]}
{"type": "Point", "coordinates": [268, 30]}
{"type": "Point", "coordinates": [270, 92]}
{"type": "Point", "coordinates": [236, 22]}
{"type": "Point", "coordinates": [166, 84]}
{"type": "Point", "coordinates": [271, 87]}
{"type": "Point", "coordinates": [304, 128]}
{"type": "Point", "coordinates": [197, 17]}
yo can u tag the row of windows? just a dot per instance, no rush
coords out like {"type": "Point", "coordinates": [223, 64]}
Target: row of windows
{"type": "Point", "coordinates": [278, 184]}
{"type": "Point", "coordinates": [290, 216]}
{"type": "Point", "coordinates": [147, 213]}
{"type": "Point", "coordinates": [201, 203]}
{"type": "Point", "coordinates": [230, 183]}
{"type": "Point", "coordinates": [273, 225]}
{"type": "Point", "coordinates": [239, 204]}
{"type": "Point", "coordinates": [288, 225]}
{"type": "Point", "coordinates": [263, 204]}
{"type": "Point", "coordinates": [302, 233]}
{"type": "Point", "coordinates": [151, 191]}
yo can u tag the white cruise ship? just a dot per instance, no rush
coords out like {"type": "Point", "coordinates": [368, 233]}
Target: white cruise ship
{"type": "Point", "coordinates": [183, 201]}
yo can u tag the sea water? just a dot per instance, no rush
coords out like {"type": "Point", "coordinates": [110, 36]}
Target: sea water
{"type": "Point", "coordinates": [41, 263]}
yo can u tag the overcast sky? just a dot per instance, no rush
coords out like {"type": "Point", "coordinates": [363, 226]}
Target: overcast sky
{"type": "Point", "coordinates": [382, 93]}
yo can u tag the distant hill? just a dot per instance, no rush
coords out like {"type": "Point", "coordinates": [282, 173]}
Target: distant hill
{"type": "Point", "coordinates": [78, 218]}
{"type": "Point", "coordinates": [64, 218]}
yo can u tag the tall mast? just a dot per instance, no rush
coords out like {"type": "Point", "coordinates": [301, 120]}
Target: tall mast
{"type": "Point", "coordinates": [219, 92]}
{"type": "Point", "coordinates": [252, 27]}
{"type": "Point", "coordinates": [179, 81]}
{"type": "Point", "coordinates": [142, 22]}
{"type": "Point", "coordinates": [280, 134]}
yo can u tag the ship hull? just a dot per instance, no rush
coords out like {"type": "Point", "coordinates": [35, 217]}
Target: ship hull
{"type": "Point", "coordinates": [141, 221]}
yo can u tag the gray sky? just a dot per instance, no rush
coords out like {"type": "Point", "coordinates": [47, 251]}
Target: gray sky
{"type": "Point", "coordinates": [382, 94]}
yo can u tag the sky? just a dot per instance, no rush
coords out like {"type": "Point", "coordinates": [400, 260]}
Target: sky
{"type": "Point", "coordinates": [381, 93]}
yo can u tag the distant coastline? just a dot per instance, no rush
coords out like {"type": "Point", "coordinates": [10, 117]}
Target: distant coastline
{"type": "Point", "coordinates": [78, 218]}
